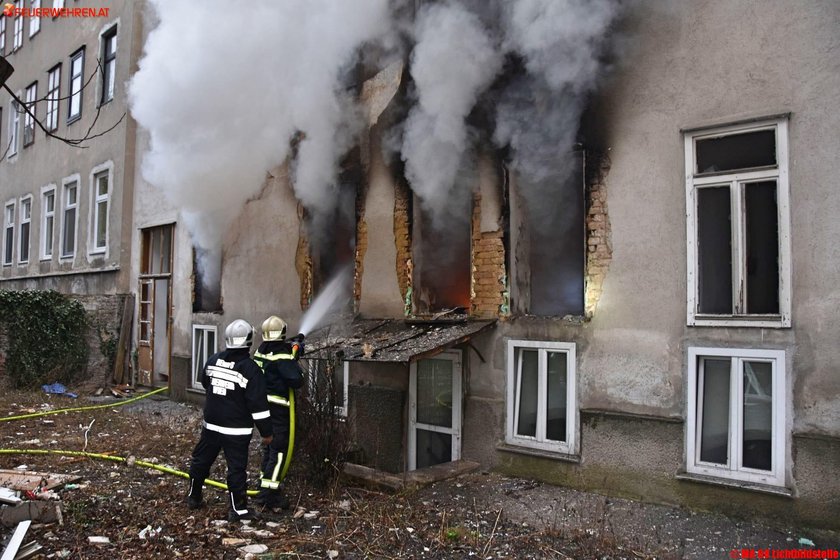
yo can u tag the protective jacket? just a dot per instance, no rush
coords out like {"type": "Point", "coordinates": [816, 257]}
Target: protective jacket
{"type": "Point", "coordinates": [236, 394]}
{"type": "Point", "coordinates": [278, 359]}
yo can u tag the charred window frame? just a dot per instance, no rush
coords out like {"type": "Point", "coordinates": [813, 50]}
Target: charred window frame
{"type": "Point", "coordinates": [9, 233]}
{"type": "Point", "coordinates": [738, 225]}
{"type": "Point", "coordinates": [53, 95]}
{"type": "Point", "coordinates": [542, 408]}
{"type": "Point", "coordinates": [24, 237]}
{"type": "Point", "coordinates": [75, 86]}
{"type": "Point", "coordinates": [737, 410]}
{"type": "Point", "coordinates": [204, 344]}
{"type": "Point", "coordinates": [29, 116]}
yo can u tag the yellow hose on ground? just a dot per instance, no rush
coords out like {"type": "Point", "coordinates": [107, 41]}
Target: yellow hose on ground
{"type": "Point", "coordinates": [116, 459]}
{"type": "Point", "coordinates": [92, 407]}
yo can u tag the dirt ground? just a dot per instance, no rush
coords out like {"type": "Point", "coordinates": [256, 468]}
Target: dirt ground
{"type": "Point", "coordinates": [142, 514]}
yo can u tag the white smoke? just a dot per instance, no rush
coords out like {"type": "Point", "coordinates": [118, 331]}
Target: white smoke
{"type": "Point", "coordinates": [453, 61]}
{"type": "Point", "coordinates": [562, 43]}
{"type": "Point", "coordinates": [221, 90]}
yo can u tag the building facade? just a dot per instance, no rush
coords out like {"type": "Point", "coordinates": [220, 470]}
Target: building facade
{"type": "Point", "coordinates": [672, 342]}
{"type": "Point", "coordinates": [68, 206]}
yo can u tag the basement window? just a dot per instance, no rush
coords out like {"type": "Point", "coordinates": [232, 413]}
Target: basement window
{"type": "Point", "coordinates": [541, 397]}
{"type": "Point", "coordinates": [735, 427]}
{"type": "Point", "coordinates": [204, 345]}
{"type": "Point", "coordinates": [738, 225]}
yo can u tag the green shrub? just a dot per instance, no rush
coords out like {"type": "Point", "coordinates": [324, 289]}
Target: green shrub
{"type": "Point", "coordinates": [46, 334]}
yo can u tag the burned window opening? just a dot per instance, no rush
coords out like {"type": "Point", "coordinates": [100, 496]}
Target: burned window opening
{"type": "Point", "coordinates": [204, 298]}
{"type": "Point", "coordinates": [548, 236]}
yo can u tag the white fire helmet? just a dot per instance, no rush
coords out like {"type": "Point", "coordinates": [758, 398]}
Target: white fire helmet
{"type": "Point", "coordinates": [239, 334]}
{"type": "Point", "coordinates": [273, 328]}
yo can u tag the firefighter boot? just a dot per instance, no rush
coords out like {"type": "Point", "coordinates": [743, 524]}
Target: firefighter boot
{"type": "Point", "coordinates": [194, 498]}
{"type": "Point", "coordinates": [239, 507]}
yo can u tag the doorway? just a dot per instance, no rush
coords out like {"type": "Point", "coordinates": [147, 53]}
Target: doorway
{"type": "Point", "coordinates": [434, 429]}
{"type": "Point", "coordinates": [155, 291]}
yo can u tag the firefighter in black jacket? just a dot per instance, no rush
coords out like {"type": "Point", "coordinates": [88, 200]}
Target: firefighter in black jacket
{"type": "Point", "coordinates": [235, 402]}
{"type": "Point", "coordinates": [279, 361]}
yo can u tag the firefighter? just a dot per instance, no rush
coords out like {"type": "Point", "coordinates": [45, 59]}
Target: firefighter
{"type": "Point", "coordinates": [235, 402]}
{"type": "Point", "coordinates": [279, 361]}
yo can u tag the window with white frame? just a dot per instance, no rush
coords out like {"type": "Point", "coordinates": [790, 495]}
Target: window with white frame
{"type": "Point", "coordinates": [541, 396]}
{"type": "Point", "coordinates": [34, 20]}
{"type": "Point", "coordinates": [204, 343]}
{"type": "Point", "coordinates": [99, 211]}
{"type": "Point", "coordinates": [29, 115]}
{"type": "Point", "coordinates": [17, 40]}
{"type": "Point", "coordinates": [70, 203]}
{"type": "Point", "coordinates": [77, 68]}
{"type": "Point", "coordinates": [14, 125]}
{"type": "Point", "coordinates": [736, 414]}
{"type": "Point", "coordinates": [25, 226]}
{"type": "Point", "coordinates": [738, 231]}
{"type": "Point", "coordinates": [9, 233]}
{"type": "Point", "coordinates": [109, 64]}
{"type": "Point", "coordinates": [2, 35]}
{"type": "Point", "coordinates": [47, 222]}
{"type": "Point", "coordinates": [53, 95]}
{"type": "Point", "coordinates": [327, 382]}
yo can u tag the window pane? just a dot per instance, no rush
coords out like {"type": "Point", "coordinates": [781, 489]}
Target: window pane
{"type": "Point", "coordinates": [758, 415]}
{"type": "Point", "coordinates": [48, 236]}
{"type": "Point", "coordinates": [736, 151]}
{"type": "Point", "coordinates": [714, 250]}
{"type": "Point", "coordinates": [24, 242]}
{"type": "Point", "coordinates": [8, 250]}
{"type": "Point", "coordinates": [714, 435]}
{"type": "Point", "coordinates": [528, 393]}
{"type": "Point", "coordinates": [101, 223]}
{"type": "Point", "coordinates": [555, 427]}
{"type": "Point", "coordinates": [102, 185]}
{"type": "Point", "coordinates": [71, 195]}
{"type": "Point", "coordinates": [50, 202]}
{"type": "Point", "coordinates": [69, 232]}
{"type": "Point", "coordinates": [166, 257]}
{"type": "Point", "coordinates": [434, 392]}
{"type": "Point", "coordinates": [762, 221]}
{"type": "Point", "coordinates": [433, 448]}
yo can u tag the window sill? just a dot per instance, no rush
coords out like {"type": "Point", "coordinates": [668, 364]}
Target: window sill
{"type": "Point", "coordinates": [759, 321]}
{"type": "Point", "coordinates": [741, 485]}
{"type": "Point", "coordinates": [553, 455]}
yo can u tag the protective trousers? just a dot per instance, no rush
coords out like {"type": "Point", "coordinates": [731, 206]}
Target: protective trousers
{"type": "Point", "coordinates": [235, 448]}
{"type": "Point", "coordinates": [277, 455]}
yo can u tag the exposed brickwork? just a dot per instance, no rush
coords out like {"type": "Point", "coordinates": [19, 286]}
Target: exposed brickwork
{"type": "Point", "coordinates": [359, 269]}
{"type": "Point", "coordinates": [488, 292]}
{"type": "Point", "coordinates": [598, 239]}
{"type": "Point", "coordinates": [402, 239]}
{"type": "Point", "coordinates": [303, 261]}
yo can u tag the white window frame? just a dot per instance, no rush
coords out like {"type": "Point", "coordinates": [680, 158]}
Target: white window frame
{"type": "Point", "coordinates": [24, 218]}
{"type": "Point", "coordinates": [47, 241]}
{"type": "Point", "coordinates": [736, 181]}
{"type": "Point", "coordinates": [2, 35]}
{"type": "Point", "coordinates": [197, 362]}
{"type": "Point", "coordinates": [457, 429]}
{"type": "Point", "coordinates": [75, 85]}
{"type": "Point", "coordinates": [34, 21]}
{"type": "Point", "coordinates": [106, 169]}
{"type": "Point", "coordinates": [571, 445]}
{"type": "Point", "coordinates": [74, 180]}
{"type": "Point", "coordinates": [9, 230]}
{"type": "Point", "coordinates": [780, 400]}
{"type": "Point", "coordinates": [109, 65]}
{"type": "Point", "coordinates": [14, 126]}
{"type": "Point", "coordinates": [17, 37]}
{"type": "Point", "coordinates": [53, 97]}
{"type": "Point", "coordinates": [31, 96]}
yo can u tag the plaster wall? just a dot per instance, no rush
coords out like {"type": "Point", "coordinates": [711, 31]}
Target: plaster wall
{"type": "Point", "coordinates": [47, 161]}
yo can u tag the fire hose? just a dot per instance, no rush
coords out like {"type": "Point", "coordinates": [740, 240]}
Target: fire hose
{"type": "Point", "coordinates": [103, 456]}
